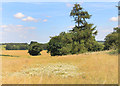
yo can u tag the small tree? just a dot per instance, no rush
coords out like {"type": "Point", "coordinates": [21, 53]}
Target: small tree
{"type": "Point", "coordinates": [34, 49]}
{"type": "Point", "coordinates": [79, 15]}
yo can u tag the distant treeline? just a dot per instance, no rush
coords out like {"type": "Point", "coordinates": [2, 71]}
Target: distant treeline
{"type": "Point", "coordinates": [101, 41]}
{"type": "Point", "coordinates": [20, 46]}
{"type": "Point", "coordinates": [14, 43]}
{"type": "Point", "coordinates": [24, 46]}
{"type": "Point", "coordinates": [16, 46]}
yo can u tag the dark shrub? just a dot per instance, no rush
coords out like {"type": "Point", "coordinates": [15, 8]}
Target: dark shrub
{"type": "Point", "coordinates": [34, 48]}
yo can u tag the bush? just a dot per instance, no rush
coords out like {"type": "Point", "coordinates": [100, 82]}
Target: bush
{"type": "Point", "coordinates": [34, 49]}
{"type": "Point", "coordinates": [69, 43]}
{"type": "Point", "coordinates": [98, 47]}
{"type": "Point", "coordinates": [114, 52]}
{"type": "Point", "coordinates": [66, 49]}
{"type": "Point", "coordinates": [111, 40]}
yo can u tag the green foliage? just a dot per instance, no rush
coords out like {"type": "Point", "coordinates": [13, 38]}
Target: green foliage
{"type": "Point", "coordinates": [20, 46]}
{"type": "Point", "coordinates": [3, 47]}
{"type": "Point", "coordinates": [78, 47]}
{"type": "Point", "coordinates": [114, 52]}
{"type": "Point", "coordinates": [98, 47]}
{"type": "Point", "coordinates": [16, 46]}
{"type": "Point", "coordinates": [43, 46]}
{"type": "Point", "coordinates": [34, 48]}
{"type": "Point", "coordinates": [54, 46]}
{"type": "Point", "coordinates": [78, 40]}
{"type": "Point", "coordinates": [101, 42]}
{"type": "Point", "coordinates": [79, 15]}
{"type": "Point", "coordinates": [111, 40]}
{"type": "Point", "coordinates": [66, 49]}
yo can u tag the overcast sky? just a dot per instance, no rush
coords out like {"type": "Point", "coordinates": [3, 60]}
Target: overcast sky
{"type": "Point", "coordinates": [25, 22]}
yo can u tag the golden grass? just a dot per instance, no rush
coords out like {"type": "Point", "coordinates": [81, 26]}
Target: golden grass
{"type": "Point", "coordinates": [94, 68]}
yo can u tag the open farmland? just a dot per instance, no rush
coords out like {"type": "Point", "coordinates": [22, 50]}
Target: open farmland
{"type": "Point", "coordinates": [18, 67]}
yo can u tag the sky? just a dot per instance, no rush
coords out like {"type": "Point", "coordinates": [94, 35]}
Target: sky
{"type": "Point", "coordinates": [60, 0]}
{"type": "Point", "coordinates": [33, 21]}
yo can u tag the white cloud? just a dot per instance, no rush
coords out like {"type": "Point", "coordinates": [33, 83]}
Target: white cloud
{"type": "Point", "coordinates": [3, 26]}
{"type": "Point", "coordinates": [114, 19]}
{"type": "Point", "coordinates": [19, 15]}
{"type": "Point", "coordinates": [15, 28]}
{"type": "Point", "coordinates": [70, 27]}
{"type": "Point", "coordinates": [45, 20]}
{"type": "Point", "coordinates": [48, 16]}
{"type": "Point", "coordinates": [69, 5]}
{"type": "Point", "coordinates": [19, 33]}
{"type": "Point", "coordinates": [19, 25]}
{"type": "Point", "coordinates": [27, 18]}
{"type": "Point", "coordinates": [30, 19]}
{"type": "Point", "coordinates": [30, 27]}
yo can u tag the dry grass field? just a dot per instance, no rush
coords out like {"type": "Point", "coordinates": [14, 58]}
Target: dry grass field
{"type": "Point", "coordinates": [18, 67]}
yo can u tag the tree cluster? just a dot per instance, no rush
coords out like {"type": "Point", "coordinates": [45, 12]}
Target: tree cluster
{"type": "Point", "coordinates": [78, 40]}
{"type": "Point", "coordinates": [112, 39]}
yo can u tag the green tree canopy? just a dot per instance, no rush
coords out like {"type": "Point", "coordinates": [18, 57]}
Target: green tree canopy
{"type": "Point", "coordinates": [34, 48]}
{"type": "Point", "coordinates": [78, 40]}
{"type": "Point", "coordinates": [79, 15]}
{"type": "Point", "coordinates": [111, 40]}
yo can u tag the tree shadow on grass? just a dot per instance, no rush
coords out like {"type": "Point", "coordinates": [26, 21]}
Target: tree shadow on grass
{"type": "Point", "coordinates": [8, 55]}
